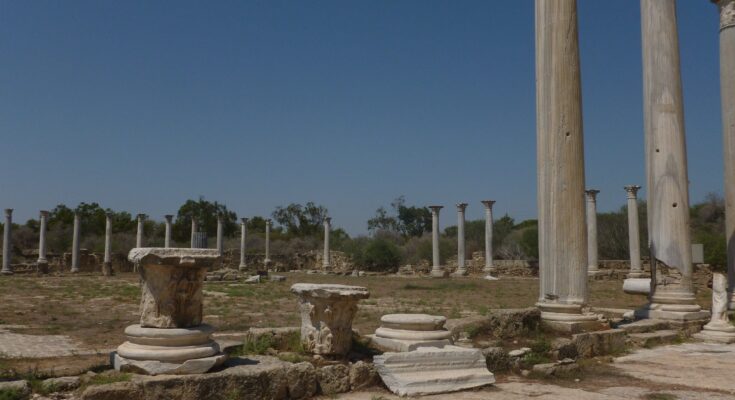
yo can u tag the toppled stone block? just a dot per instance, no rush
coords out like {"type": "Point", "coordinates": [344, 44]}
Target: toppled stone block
{"type": "Point", "coordinates": [277, 278]}
{"type": "Point", "coordinates": [519, 352]}
{"type": "Point", "coordinates": [429, 370]}
{"type": "Point", "coordinates": [334, 379]}
{"type": "Point", "coordinates": [561, 368]}
{"type": "Point", "coordinates": [253, 279]}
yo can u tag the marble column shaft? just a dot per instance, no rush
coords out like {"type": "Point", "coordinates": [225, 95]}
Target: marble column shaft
{"type": "Point", "coordinates": [461, 256]}
{"type": "Point", "coordinates": [7, 242]}
{"type": "Point", "coordinates": [108, 238]}
{"type": "Point", "coordinates": [167, 237]}
{"type": "Point", "coordinates": [666, 162]}
{"type": "Point", "coordinates": [593, 264]}
{"type": "Point", "coordinates": [194, 228]}
{"type": "Point", "coordinates": [634, 241]}
{"type": "Point", "coordinates": [243, 237]}
{"type": "Point", "coordinates": [220, 236]}
{"type": "Point", "coordinates": [75, 244]}
{"type": "Point", "coordinates": [560, 147]}
{"type": "Point", "coordinates": [139, 232]}
{"type": "Point", "coordinates": [727, 96]}
{"type": "Point", "coordinates": [436, 269]}
{"type": "Point", "coordinates": [43, 228]}
{"type": "Point", "coordinates": [268, 223]}
{"type": "Point", "coordinates": [326, 258]}
{"type": "Point", "coordinates": [489, 265]}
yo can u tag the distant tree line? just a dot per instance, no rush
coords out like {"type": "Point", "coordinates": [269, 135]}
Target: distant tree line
{"type": "Point", "coordinates": [398, 234]}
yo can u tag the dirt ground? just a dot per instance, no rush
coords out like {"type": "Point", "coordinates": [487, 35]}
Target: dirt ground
{"type": "Point", "coordinates": [95, 310]}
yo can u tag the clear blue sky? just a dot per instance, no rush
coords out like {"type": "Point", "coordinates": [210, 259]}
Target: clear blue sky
{"type": "Point", "coordinates": [140, 105]}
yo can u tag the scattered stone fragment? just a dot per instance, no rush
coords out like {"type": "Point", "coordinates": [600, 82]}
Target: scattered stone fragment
{"type": "Point", "coordinates": [301, 381]}
{"type": "Point", "coordinates": [519, 352]}
{"type": "Point", "coordinates": [497, 359]}
{"type": "Point", "coordinates": [253, 279]}
{"type": "Point", "coordinates": [21, 388]}
{"type": "Point", "coordinates": [277, 278]}
{"type": "Point", "coordinates": [62, 384]}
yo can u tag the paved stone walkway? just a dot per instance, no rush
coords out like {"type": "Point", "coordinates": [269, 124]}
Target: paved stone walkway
{"type": "Point", "coordinates": [16, 345]}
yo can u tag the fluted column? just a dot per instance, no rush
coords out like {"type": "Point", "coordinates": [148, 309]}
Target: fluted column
{"type": "Point", "coordinates": [220, 236]}
{"type": "Point", "coordinates": [194, 228]}
{"type": "Point", "coordinates": [267, 260]}
{"type": "Point", "coordinates": [326, 261]}
{"type": "Point", "coordinates": [107, 262]}
{"type": "Point", "coordinates": [42, 262]}
{"type": "Point", "coordinates": [727, 96]}
{"type": "Point", "coordinates": [75, 244]}
{"type": "Point", "coordinates": [634, 240]}
{"type": "Point", "coordinates": [139, 232]}
{"type": "Point", "coordinates": [167, 237]}
{"type": "Point", "coordinates": [489, 266]}
{"type": "Point", "coordinates": [672, 291]}
{"type": "Point", "coordinates": [560, 156]}
{"type": "Point", "coordinates": [593, 264]}
{"type": "Point", "coordinates": [461, 256]}
{"type": "Point", "coordinates": [437, 270]}
{"type": "Point", "coordinates": [7, 243]}
{"type": "Point", "coordinates": [243, 237]}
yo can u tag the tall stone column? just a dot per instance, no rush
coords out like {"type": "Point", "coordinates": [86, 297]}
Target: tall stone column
{"type": "Point", "coordinates": [220, 236]}
{"type": "Point", "coordinates": [326, 262]}
{"type": "Point", "coordinates": [139, 232]}
{"type": "Point", "coordinates": [267, 260]}
{"type": "Point", "coordinates": [672, 292]}
{"type": "Point", "coordinates": [437, 271]}
{"type": "Point", "coordinates": [489, 266]}
{"type": "Point", "coordinates": [107, 262]}
{"type": "Point", "coordinates": [634, 240]}
{"type": "Point", "coordinates": [194, 228]}
{"type": "Point", "coordinates": [727, 95]}
{"type": "Point", "coordinates": [75, 244]}
{"type": "Point", "coordinates": [461, 256]}
{"type": "Point", "coordinates": [560, 156]}
{"type": "Point", "coordinates": [167, 237]}
{"type": "Point", "coordinates": [243, 237]}
{"type": "Point", "coordinates": [593, 264]}
{"type": "Point", "coordinates": [42, 263]}
{"type": "Point", "coordinates": [7, 243]}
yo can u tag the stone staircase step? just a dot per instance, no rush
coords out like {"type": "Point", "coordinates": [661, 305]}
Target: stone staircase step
{"type": "Point", "coordinates": [645, 325]}
{"type": "Point", "coordinates": [648, 339]}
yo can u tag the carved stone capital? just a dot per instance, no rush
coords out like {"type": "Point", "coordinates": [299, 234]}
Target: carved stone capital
{"type": "Point", "coordinates": [632, 191]}
{"type": "Point", "coordinates": [727, 13]}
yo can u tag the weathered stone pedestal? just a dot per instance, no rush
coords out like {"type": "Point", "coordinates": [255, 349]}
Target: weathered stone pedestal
{"type": "Point", "coordinates": [567, 318]}
{"type": "Point", "coordinates": [407, 332]}
{"type": "Point", "coordinates": [326, 316]}
{"type": "Point", "coordinates": [719, 329]}
{"type": "Point", "coordinates": [170, 338]}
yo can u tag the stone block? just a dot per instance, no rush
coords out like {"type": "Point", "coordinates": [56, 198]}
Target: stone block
{"type": "Point", "coordinates": [363, 375]}
{"type": "Point", "coordinates": [429, 370]}
{"type": "Point", "coordinates": [21, 389]}
{"type": "Point", "coordinates": [496, 359]}
{"type": "Point", "coordinates": [301, 381]}
{"type": "Point", "coordinates": [333, 379]}
{"type": "Point", "coordinates": [592, 344]}
{"type": "Point", "coordinates": [61, 384]}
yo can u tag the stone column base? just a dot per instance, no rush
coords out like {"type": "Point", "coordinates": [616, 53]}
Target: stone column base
{"type": "Point", "coordinates": [6, 272]}
{"type": "Point", "coordinates": [489, 270]}
{"type": "Point", "coordinates": [567, 318]}
{"type": "Point", "coordinates": [637, 285]}
{"type": "Point", "coordinates": [637, 274]}
{"type": "Point", "coordinates": [42, 267]}
{"type": "Point", "coordinates": [155, 351]}
{"type": "Point", "coordinates": [438, 272]}
{"type": "Point", "coordinates": [717, 332]}
{"type": "Point", "coordinates": [460, 272]}
{"type": "Point", "coordinates": [681, 313]}
{"type": "Point", "coordinates": [107, 269]}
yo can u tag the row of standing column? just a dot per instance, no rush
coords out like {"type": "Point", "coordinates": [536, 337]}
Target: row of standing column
{"type": "Point", "coordinates": [437, 270]}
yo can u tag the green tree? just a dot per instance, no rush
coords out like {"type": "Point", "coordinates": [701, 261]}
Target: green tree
{"type": "Point", "coordinates": [409, 221]}
{"type": "Point", "coordinates": [301, 221]}
{"type": "Point", "coordinates": [381, 255]}
{"type": "Point", "coordinates": [206, 213]}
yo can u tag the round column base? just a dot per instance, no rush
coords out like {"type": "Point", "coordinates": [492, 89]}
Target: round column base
{"type": "Point", "coordinates": [438, 272]}
{"type": "Point", "coordinates": [717, 332]}
{"type": "Point", "coordinates": [567, 318]}
{"type": "Point", "coordinates": [6, 272]}
{"type": "Point", "coordinates": [460, 272]}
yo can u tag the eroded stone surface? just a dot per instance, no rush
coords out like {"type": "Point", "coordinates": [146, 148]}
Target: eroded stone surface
{"type": "Point", "coordinates": [429, 370]}
{"type": "Point", "coordinates": [326, 316]}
